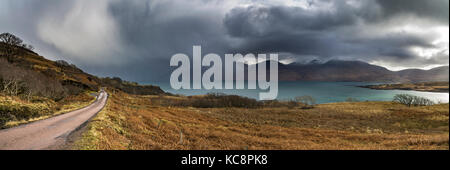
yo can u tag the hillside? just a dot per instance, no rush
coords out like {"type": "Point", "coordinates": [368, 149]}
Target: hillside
{"type": "Point", "coordinates": [57, 79]}
{"type": "Point", "coordinates": [417, 75]}
{"type": "Point", "coordinates": [41, 77]}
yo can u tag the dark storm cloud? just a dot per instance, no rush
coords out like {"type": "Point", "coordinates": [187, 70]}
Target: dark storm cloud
{"type": "Point", "coordinates": [267, 20]}
{"type": "Point", "coordinates": [136, 38]}
{"type": "Point", "coordinates": [335, 33]}
{"type": "Point", "coordinates": [156, 31]}
{"type": "Point", "coordinates": [432, 9]}
{"type": "Point", "coordinates": [264, 21]}
{"type": "Point", "coordinates": [151, 30]}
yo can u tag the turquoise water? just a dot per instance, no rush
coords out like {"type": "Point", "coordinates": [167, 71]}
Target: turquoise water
{"type": "Point", "coordinates": [323, 92]}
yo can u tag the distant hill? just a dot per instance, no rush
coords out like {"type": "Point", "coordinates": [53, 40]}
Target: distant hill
{"type": "Point", "coordinates": [339, 70]}
{"type": "Point", "coordinates": [418, 75]}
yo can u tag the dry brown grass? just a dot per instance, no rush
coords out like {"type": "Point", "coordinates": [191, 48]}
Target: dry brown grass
{"type": "Point", "coordinates": [16, 111]}
{"type": "Point", "coordinates": [133, 122]}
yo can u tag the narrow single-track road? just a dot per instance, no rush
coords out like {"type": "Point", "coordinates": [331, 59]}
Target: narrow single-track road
{"type": "Point", "coordinates": [49, 133]}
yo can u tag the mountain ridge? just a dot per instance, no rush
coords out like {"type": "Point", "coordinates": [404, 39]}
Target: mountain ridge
{"type": "Point", "coordinates": [359, 71]}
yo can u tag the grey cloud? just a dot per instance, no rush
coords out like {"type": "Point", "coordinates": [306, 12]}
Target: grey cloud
{"type": "Point", "coordinates": [336, 34]}
{"type": "Point", "coordinates": [432, 9]}
{"type": "Point", "coordinates": [144, 27]}
{"type": "Point", "coordinates": [22, 18]}
{"type": "Point", "coordinates": [156, 30]}
{"type": "Point", "coordinates": [266, 21]}
{"type": "Point", "coordinates": [137, 37]}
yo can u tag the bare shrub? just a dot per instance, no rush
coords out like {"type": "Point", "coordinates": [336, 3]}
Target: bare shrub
{"type": "Point", "coordinates": [272, 103]}
{"type": "Point", "coordinates": [351, 99]}
{"type": "Point", "coordinates": [222, 100]}
{"type": "Point", "coordinates": [211, 100]}
{"type": "Point", "coordinates": [421, 101]}
{"type": "Point", "coordinates": [17, 81]}
{"type": "Point", "coordinates": [306, 102]}
{"type": "Point", "coordinates": [291, 104]}
{"type": "Point", "coordinates": [410, 100]}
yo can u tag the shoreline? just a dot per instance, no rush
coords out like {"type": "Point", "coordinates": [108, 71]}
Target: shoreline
{"type": "Point", "coordinates": [418, 90]}
{"type": "Point", "coordinates": [435, 87]}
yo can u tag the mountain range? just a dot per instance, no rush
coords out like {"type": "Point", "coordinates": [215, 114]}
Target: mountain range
{"type": "Point", "coordinates": [357, 71]}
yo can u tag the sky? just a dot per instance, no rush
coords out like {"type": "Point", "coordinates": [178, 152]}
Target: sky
{"type": "Point", "coordinates": [135, 39]}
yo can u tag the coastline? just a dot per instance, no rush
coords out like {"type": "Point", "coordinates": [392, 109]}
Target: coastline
{"type": "Point", "coordinates": [437, 87]}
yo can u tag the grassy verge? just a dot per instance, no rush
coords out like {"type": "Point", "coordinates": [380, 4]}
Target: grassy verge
{"type": "Point", "coordinates": [15, 111]}
{"type": "Point", "coordinates": [134, 122]}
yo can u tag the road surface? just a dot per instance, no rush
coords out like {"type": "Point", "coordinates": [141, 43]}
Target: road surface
{"type": "Point", "coordinates": [49, 133]}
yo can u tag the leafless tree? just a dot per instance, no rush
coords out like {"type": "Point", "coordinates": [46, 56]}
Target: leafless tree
{"type": "Point", "coordinates": [10, 39]}
{"type": "Point", "coordinates": [11, 86]}
{"type": "Point", "coordinates": [11, 45]}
